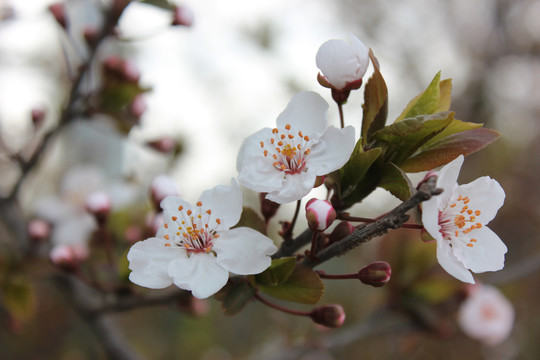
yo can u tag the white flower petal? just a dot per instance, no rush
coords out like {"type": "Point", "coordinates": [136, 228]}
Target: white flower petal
{"type": "Point", "coordinates": [485, 194]}
{"type": "Point", "coordinates": [251, 147]}
{"type": "Point", "coordinates": [305, 112]}
{"type": "Point", "coordinates": [199, 273]}
{"type": "Point", "coordinates": [149, 260]}
{"type": "Point", "coordinates": [244, 251]}
{"type": "Point", "coordinates": [332, 151]}
{"type": "Point", "coordinates": [295, 187]}
{"type": "Point", "coordinates": [341, 63]}
{"type": "Point", "coordinates": [430, 218]}
{"type": "Point", "coordinates": [225, 203]}
{"type": "Point", "coordinates": [447, 180]}
{"type": "Point", "coordinates": [449, 262]}
{"type": "Point", "coordinates": [486, 254]}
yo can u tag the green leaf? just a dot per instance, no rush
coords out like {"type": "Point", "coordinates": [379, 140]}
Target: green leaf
{"type": "Point", "coordinates": [456, 126]}
{"type": "Point", "coordinates": [354, 171]}
{"type": "Point", "coordinates": [162, 4]}
{"type": "Point", "coordinates": [403, 138]}
{"type": "Point", "coordinates": [303, 286]}
{"type": "Point", "coordinates": [251, 219]}
{"type": "Point", "coordinates": [445, 99]}
{"type": "Point", "coordinates": [278, 272]}
{"type": "Point", "coordinates": [396, 182]}
{"type": "Point", "coordinates": [426, 103]}
{"type": "Point", "coordinates": [235, 296]}
{"type": "Point", "coordinates": [18, 297]}
{"type": "Point", "coordinates": [447, 149]}
{"type": "Point", "coordinates": [375, 103]}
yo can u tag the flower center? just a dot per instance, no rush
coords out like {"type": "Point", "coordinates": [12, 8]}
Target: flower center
{"type": "Point", "coordinates": [458, 219]}
{"type": "Point", "coordinates": [193, 231]}
{"type": "Point", "coordinates": [287, 150]}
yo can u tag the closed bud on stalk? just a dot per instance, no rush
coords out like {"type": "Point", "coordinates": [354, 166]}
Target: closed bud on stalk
{"type": "Point", "coordinates": [320, 214]}
{"type": "Point", "coordinates": [342, 230]}
{"type": "Point", "coordinates": [430, 174]}
{"type": "Point", "coordinates": [68, 257]}
{"type": "Point", "coordinates": [332, 316]}
{"type": "Point", "coordinates": [375, 274]}
{"type": "Point", "coordinates": [38, 115]}
{"type": "Point", "coordinates": [58, 10]}
{"type": "Point", "coordinates": [99, 204]}
{"type": "Point", "coordinates": [164, 145]}
{"type": "Point", "coordinates": [90, 34]}
{"type": "Point", "coordinates": [161, 187]}
{"type": "Point", "coordinates": [182, 16]}
{"type": "Point", "coordinates": [38, 230]}
{"type": "Point", "coordinates": [268, 207]}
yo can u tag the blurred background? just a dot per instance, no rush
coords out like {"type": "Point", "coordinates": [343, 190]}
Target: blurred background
{"type": "Point", "coordinates": [199, 91]}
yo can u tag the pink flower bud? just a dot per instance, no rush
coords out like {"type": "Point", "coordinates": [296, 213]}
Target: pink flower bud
{"type": "Point", "coordinates": [99, 204]}
{"type": "Point", "coordinates": [320, 214]}
{"type": "Point", "coordinates": [138, 106]}
{"type": "Point", "coordinates": [161, 187]}
{"type": "Point", "coordinates": [130, 71]}
{"type": "Point", "coordinates": [268, 207]}
{"type": "Point", "coordinates": [375, 274]}
{"type": "Point", "coordinates": [182, 16]}
{"type": "Point", "coordinates": [90, 34]}
{"type": "Point", "coordinates": [332, 316]}
{"type": "Point", "coordinates": [164, 145]}
{"type": "Point", "coordinates": [58, 10]}
{"type": "Point", "coordinates": [68, 257]}
{"type": "Point", "coordinates": [342, 230]}
{"type": "Point", "coordinates": [343, 65]}
{"type": "Point", "coordinates": [38, 230]}
{"type": "Point", "coordinates": [38, 115]}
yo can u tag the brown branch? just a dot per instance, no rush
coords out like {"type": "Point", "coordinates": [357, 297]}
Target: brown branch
{"type": "Point", "coordinates": [392, 220]}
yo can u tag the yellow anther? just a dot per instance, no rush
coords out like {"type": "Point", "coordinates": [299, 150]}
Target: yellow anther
{"type": "Point", "coordinates": [280, 143]}
{"type": "Point", "coordinates": [473, 240]}
{"type": "Point", "coordinates": [199, 203]}
{"type": "Point", "coordinates": [283, 136]}
{"type": "Point", "coordinates": [470, 245]}
{"type": "Point", "coordinates": [272, 140]}
{"type": "Point", "coordinates": [218, 221]}
{"type": "Point", "coordinates": [459, 198]}
{"type": "Point", "coordinates": [166, 226]}
{"type": "Point", "coordinates": [178, 234]}
{"type": "Point", "coordinates": [291, 136]}
{"type": "Point", "coordinates": [477, 213]}
{"type": "Point", "coordinates": [180, 208]}
{"type": "Point", "coordinates": [306, 138]}
{"type": "Point", "coordinates": [300, 134]}
{"type": "Point", "coordinates": [469, 212]}
{"type": "Point", "coordinates": [274, 156]}
{"type": "Point", "coordinates": [166, 237]}
{"type": "Point", "coordinates": [275, 131]}
{"type": "Point", "coordinates": [453, 205]}
{"type": "Point", "coordinates": [174, 218]}
{"type": "Point", "coordinates": [478, 225]}
{"type": "Point", "coordinates": [457, 233]}
{"type": "Point", "coordinates": [278, 150]}
{"type": "Point", "coordinates": [199, 216]}
{"type": "Point", "coordinates": [262, 144]}
{"type": "Point", "coordinates": [167, 244]}
{"type": "Point", "coordinates": [298, 146]}
{"type": "Point", "coordinates": [288, 127]}
{"type": "Point", "coordinates": [189, 212]}
{"type": "Point", "coordinates": [265, 152]}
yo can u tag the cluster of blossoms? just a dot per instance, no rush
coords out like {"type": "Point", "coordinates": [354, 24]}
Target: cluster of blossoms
{"type": "Point", "coordinates": [196, 249]}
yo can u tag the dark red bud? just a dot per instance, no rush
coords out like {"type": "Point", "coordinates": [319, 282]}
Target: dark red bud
{"type": "Point", "coordinates": [38, 230]}
{"type": "Point", "coordinates": [342, 230]}
{"type": "Point", "coordinates": [90, 34]}
{"type": "Point", "coordinates": [58, 10]}
{"type": "Point", "coordinates": [164, 145]}
{"type": "Point", "coordinates": [332, 316]}
{"type": "Point", "coordinates": [375, 274]}
{"type": "Point", "coordinates": [268, 207]}
{"type": "Point", "coordinates": [182, 16]}
{"type": "Point", "coordinates": [38, 115]}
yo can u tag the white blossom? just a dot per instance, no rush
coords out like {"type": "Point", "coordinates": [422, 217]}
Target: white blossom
{"type": "Point", "coordinates": [457, 220]}
{"type": "Point", "coordinates": [285, 161]}
{"type": "Point", "coordinates": [195, 248]}
{"type": "Point", "coordinates": [486, 315]}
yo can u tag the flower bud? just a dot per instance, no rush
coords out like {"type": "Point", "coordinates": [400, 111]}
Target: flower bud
{"type": "Point", "coordinates": [138, 106]}
{"type": "Point", "coordinates": [320, 214]}
{"type": "Point", "coordinates": [164, 145]}
{"type": "Point", "coordinates": [68, 257]}
{"type": "Point", "coordinates": [342, 230]}
{"type": "Point", "coordinates": [430, 174]}
{"type": "Point", "coordinates": [268, 207]}
{"type": "Point", "coordinates": [343, 65]}
{"type": "Point", "coordinates": [182, 16]}
{"type": "Point", "coordinates": [161, 187]}
{"type": "Point", "coordinates": [375, 274]}
{"type": "Point", "coordinates": [58, 10]}
{"type": "Point", "coordinates": [90, 34]}
{"type": "Point", "coordinates": [99, 204]}
{"type": "Point", "coordinates": [38, 230]}
{"type": "Point", "coordinates": [332, 316]}
{"type": "Point", "coordinates": [130, 71]}
{"type": "Point", "coordinates": [38, 115]}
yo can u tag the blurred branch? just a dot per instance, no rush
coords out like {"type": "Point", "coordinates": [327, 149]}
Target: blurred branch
{"type": "Point", "coordinates": [70, 111]}
{"type": "Point", "coordinates": [392, 220]}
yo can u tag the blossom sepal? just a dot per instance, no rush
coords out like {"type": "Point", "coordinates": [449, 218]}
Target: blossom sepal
{"type": "Point", "coordinates": [235, 295]}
